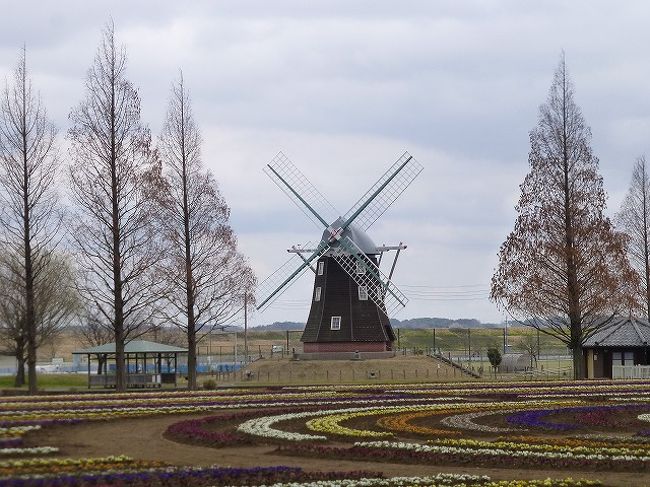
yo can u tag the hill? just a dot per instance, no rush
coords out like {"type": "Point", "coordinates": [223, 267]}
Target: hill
{"type": "Point", "coordinates": [404, 324]}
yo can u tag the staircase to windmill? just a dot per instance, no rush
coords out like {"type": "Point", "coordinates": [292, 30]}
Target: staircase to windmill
{"type": "Point", "coordinates": [456, 365]}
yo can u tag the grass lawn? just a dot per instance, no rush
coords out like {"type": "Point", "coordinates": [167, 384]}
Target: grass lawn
{"type": "Point", "coordinates": [49, 381]}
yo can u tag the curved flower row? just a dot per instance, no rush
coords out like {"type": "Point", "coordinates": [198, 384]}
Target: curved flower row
{"type": "Point", "coordinates": [33, 466]}
{"type": "Point", "coordinates": [515, 446]}
{"type": "Point", "coordinates": [264, 426]}
{"type": "Point", "coordinates": [182, 477]}
{"type": "Point", "coordinates": [466, 422]}
{"type": "Point", "coordinates": [536, 418]}
{"type": "Point", "coordinates": [13, 407]}
{"type": "Point", "coordinates": [107, 413]}
{"type": "Point", "coordinates": [36, 450]}
{"type": "Point", "coordinates": [402, 423]}
{"type": "Point", "coordinates": [442, 480]}
{"type": "Point", "coordinates": [14, 431]}
{"type": "Point", "coordinates": [495, 451]}
{"type": "Point", "coordinates": [594, 441]}
{"type": "Point", "coordinates": [330, 424]}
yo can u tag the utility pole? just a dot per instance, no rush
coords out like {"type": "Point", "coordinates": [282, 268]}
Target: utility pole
{"type": "Point", "coordinates": [246, 328]}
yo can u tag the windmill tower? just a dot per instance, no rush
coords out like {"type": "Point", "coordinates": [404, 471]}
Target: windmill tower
{"type": "Point", "coordinates": [352, 298]}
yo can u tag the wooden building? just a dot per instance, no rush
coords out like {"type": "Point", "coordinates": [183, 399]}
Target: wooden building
{"type": "Point", "coordinates": [343, 318]}
{"type": "Point", "coordinates": [618, 351]}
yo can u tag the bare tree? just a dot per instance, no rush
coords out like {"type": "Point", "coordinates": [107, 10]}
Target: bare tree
{"type": "Point", "coordinates": [207, 276]}
{"type": "Point", "coordinates": [563, 269]}
{"type": "Point", "coordinates": [29, 216]}
{"type": "Point", "coordinates": [529, 344]}
{"type": "Point", "coordinates": [117, 243]}
{"type": "Point", "coordinates": [93, 333]}
{"type": "Point", "coordinates": [634, 219]}
{"type": "Point", "coordinates": [56, 305]}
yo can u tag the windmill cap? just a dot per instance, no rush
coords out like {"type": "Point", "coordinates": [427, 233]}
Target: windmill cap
{"type": "Point", "coordinates": [357, 235]}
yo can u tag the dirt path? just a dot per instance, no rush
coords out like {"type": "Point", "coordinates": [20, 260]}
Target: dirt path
{"type": "Point", "coordinates": [143, 439]}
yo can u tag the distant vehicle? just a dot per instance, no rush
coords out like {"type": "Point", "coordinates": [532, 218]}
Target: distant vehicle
{"type": "Point", "coordinates": [277, 349]}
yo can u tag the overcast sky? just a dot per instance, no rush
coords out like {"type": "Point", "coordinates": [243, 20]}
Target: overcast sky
{"type": "Point", "coordinates": [343, 88]}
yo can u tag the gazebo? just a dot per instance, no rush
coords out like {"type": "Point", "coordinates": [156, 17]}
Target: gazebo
{"type": "Point", "coordinates": [144, 363]}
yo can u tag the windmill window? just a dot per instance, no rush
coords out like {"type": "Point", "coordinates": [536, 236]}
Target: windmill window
{"type": "Point", "coordinates": [360, 269]}
{"type": "Point", "coordinates": [321, 268]}
{"type": "Point", "coordinates": [335, 323]}
{"type": "Point", "coordinates": [363, 293]}
{"type": "Point", "coordinates": [317, 294]}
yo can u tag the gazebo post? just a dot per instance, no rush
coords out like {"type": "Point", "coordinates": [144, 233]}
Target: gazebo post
{"type": "Point", "coordinates": [175, 368]}
{"type": "Point", "coordinates": [88, 371]}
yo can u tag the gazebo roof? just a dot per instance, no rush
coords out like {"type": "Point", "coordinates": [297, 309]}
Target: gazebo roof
{"type": "Point", "coordinates": [625, 332]}
{"type": "Point", "coordinates": [134, 346]}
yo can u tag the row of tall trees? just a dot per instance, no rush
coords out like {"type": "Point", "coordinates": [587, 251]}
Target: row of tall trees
{"type": "Point", "coordinates": [149, 229]}
{"type": "Point", "coordinates": [564, 269]}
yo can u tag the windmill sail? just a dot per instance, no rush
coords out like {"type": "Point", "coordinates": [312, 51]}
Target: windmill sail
{"type": "Point", "coordinates": [384, 192]}
{"type": "Point", "coordinates": [277, 283]}
{"type": "Point", "coordinates": [365, 272]}
{"type": "Point", "coordinates": [301, 191]}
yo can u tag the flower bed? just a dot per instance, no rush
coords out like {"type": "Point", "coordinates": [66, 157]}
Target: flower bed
{"type": "Point", "coordinates": [385, 451]}
{"type": "Point", "coordinates": [444, 480]}
{"type": "Point", "coordinates": [302, 419]}
{"type": "Point", "coordinates": [187, 476]}
{"type": "Point", "coordinates": [195, 431]}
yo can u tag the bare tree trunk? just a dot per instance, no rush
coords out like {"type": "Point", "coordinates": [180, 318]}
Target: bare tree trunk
{"type": "Point", "coordinates": [646, 243]}
{"type": "Point", "coordinates": [575, 322]}
{"type": "Point", "coordinates": [191, 361]}
{"type": "Point", "coordinates": [189, 278]}
{"type": "Point", "coordinates": [578, 363]}
{"type": "Point", "coordinates": [100, 364]}
{"type": "Point", "coordinates": [30, 318]}
{"type": "Point", "coordinates": [20, 363]}
{"type": "Point", "coordinates": [20, 373]}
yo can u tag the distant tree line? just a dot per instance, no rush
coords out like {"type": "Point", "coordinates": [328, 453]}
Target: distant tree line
{"type": "Point", "coordinates": [145, 240]}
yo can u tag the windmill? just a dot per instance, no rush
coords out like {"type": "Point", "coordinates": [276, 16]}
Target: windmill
{"type": "Point", "coordinates": [352, 297]}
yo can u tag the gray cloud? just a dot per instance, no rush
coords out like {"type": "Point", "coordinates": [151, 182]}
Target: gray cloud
{"type": "Point", "coordinates": [344, 87]}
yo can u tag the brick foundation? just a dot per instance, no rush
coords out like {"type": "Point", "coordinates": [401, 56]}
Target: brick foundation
{"type": "Point", "coordinates": [347, 347]}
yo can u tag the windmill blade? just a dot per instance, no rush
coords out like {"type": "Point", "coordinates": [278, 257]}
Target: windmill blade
{"type": "Point", "coordinates": [383, 193]}
{"type": "Point", "coordinates": [365, 272]}
{"type": "Point", "coordinates": [277, 283]}
{"type": "Point", "coordinates": [300, 190]}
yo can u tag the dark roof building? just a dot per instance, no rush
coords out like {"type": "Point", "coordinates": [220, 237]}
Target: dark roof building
{"type": "Point", "coordinates": [612, 351]}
